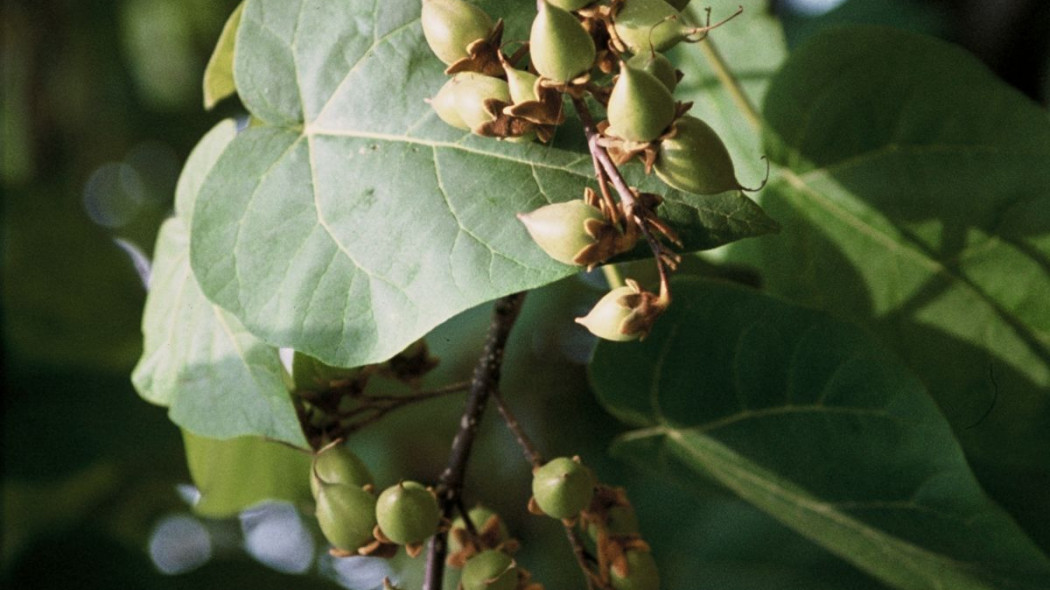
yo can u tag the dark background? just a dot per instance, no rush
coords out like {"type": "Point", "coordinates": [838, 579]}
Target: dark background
{"type": "Point", "coordinates": [101, 105]}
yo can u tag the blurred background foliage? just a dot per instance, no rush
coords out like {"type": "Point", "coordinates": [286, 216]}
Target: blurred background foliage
{"type": "Point", "coordinates": [101, 105]}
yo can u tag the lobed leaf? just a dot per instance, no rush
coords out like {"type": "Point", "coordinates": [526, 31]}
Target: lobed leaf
{"type": "Point", "coordinates": [811, 421]}
{"type": "Point", "coordinates": [351, 220]}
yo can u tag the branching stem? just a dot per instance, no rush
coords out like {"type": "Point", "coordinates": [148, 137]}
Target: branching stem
{"type": "Point", "coordinates": [483, 384]}
{"type": "Point", "coordinates": [630, 204]}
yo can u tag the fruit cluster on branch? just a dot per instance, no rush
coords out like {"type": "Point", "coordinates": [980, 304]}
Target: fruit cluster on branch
{"type": "Point", "coordinates": [606, 52]}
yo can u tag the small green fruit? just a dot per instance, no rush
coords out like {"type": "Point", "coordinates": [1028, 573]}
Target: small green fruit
{"type": "Point", "coordinates": [461, 101]}
{"type": "Point", "coordinates": [559, 228]}
{"type": "Point", "coordinates": [407, 513]}
{"type": "Point", "coordinates": [649, 25]}
{"type": "Point", "coordinates": [339, 465]}
{"type": "Point", "coordinates": [640, 106]}
{"type": "Point", "coordinates": [695, 160]}
{"type": "Point", "coordinates": [489, 570]}
{"type": "Point", "coordinates": [563, 487]}
{"type": "Point", "coordinates": [451, 25]}
{"type": "Point", "coordinates": [522, 85]}
{"type": "Point", "coordinates": [641, 573]}
{"type": "Point", "coordinates": [608, 315]}
{"type": "Point", "coordinates": [346, 514]}
{"type": "Point", "coordinates": [560, 47]}
{"type": "Point", "coordinates": [658, 65]}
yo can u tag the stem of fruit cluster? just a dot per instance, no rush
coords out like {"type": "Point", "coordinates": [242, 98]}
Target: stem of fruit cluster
{"type": "Point", "coordinates": [484, 383]}
{"type": "Point", "coordinates": [533, 456]}
{"type": "Point", "coordinates": [731, 84]}
{"type": "Point", "coordinates": [626, 195]}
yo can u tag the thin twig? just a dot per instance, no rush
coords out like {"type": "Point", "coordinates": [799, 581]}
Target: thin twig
{"type": "Point", "coordinates": [484, 382]}
{"type": "Point", "coordinates": [532, 455]}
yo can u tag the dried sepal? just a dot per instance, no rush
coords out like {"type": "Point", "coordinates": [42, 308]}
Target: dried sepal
{"type": "Point", "coordinates": [483, 55]}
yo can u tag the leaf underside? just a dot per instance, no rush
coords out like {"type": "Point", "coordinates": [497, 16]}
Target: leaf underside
{"type": "Point", "coordinates": [351, 220]}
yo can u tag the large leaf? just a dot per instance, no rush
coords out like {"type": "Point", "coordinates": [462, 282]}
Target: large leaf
{"type": "Point", "coordinates": [352, 220]}
{"type": "Point", "coordinates": [808, 419]}
{"type": "Point", "coordinates": [232, 475]}
{"type": "Point", "coordinates": [217, 379]}
{"type": "Point", "coordinates": [916, 200]}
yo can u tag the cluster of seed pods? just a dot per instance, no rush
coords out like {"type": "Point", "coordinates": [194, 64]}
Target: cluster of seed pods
{"type": "Point", "coordinates": [608, 51]}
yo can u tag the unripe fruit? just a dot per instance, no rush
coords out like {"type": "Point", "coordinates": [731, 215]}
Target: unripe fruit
{"type": "Point", "coordinates": [607, 316]}
{"type": "Point", "coordinates": [563, 487]}
{"type": "Point", "coordinates": [641, 573]}
{"type": "Point", "coordinates": [559, 228]}
{"type": "Point", "coordinates": [461, 101]}
{"type": "Point", "coordinates": [522, 85]}
{"type": "Point", "coordinates": [560, 47]}
{"type": "Point", "coordinates": [640, 106]}
{"type": "Point", "coordinates": [695, 160]}
{"type": "Point", "coordinates": [479, 515]}
{"type": "Point", "coordinates": [658, 65]}
{"type": "Point", "coordinates": [570, 4]}
{"type": "Point", "coordinates": [338, 465]}
{"type": "Point", "coordinates": [451, 25]}
{"type": "Point", "coordinates": [346, 514]}
{"type": "Point", "coordinates": [649, 25]}
{"type": "Point", "coordinates": [407, 513]}
{"type": "Point", "coordinates": [489, 570]}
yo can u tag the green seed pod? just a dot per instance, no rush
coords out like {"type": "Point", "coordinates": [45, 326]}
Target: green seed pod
{"type": "Point", "coordinates": [522, 85]}
{"type": "Point", "coordinates": [658, 65]}
{"type": "Point", "coordinates": [407, 513]}
{"type": "Point", "coordinates": [559, 228]}
{"type": "Point", "coordinates": [461, 101]}
{"type": "Point", "coordinates": [649, 25]}
{"type": "Point", "coordinates": [489, 570]}
{"type": "Point", "coordinates": [479, 515]}
{"type": "Point", "coordinates": [608, 315]}
{"type": "Point", "coordinates": [695, 160]}
{"type": "Point", "coordinates": [641, 573]}
{"type": "Point", "coordinates": [570, 4]}
{"type": "Point", "coordinates": [346, 514]}
{"type": "Point", "coordinates": [619, 520]}
{"type": "Point", "coordinates": [339, 465]}
{"type": "Point", "coordinates": [563, 487]}
{"type": "Point", "coordinates": [640, 106]}
{"type": "Point", "coordinates": [451, 25]}
{"type": "Point", "coordinates": [561, 48]}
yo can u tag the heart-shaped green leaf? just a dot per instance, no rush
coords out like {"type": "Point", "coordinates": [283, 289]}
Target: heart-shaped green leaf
{"type": "Point", "coordinates": [916, 200]}
{"type": "Point", "coordinates": [810, 420]}
{"type": "Point", "coordinates": [352, 220]}
{"type": "Point", "coordinates": [217, 379]}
